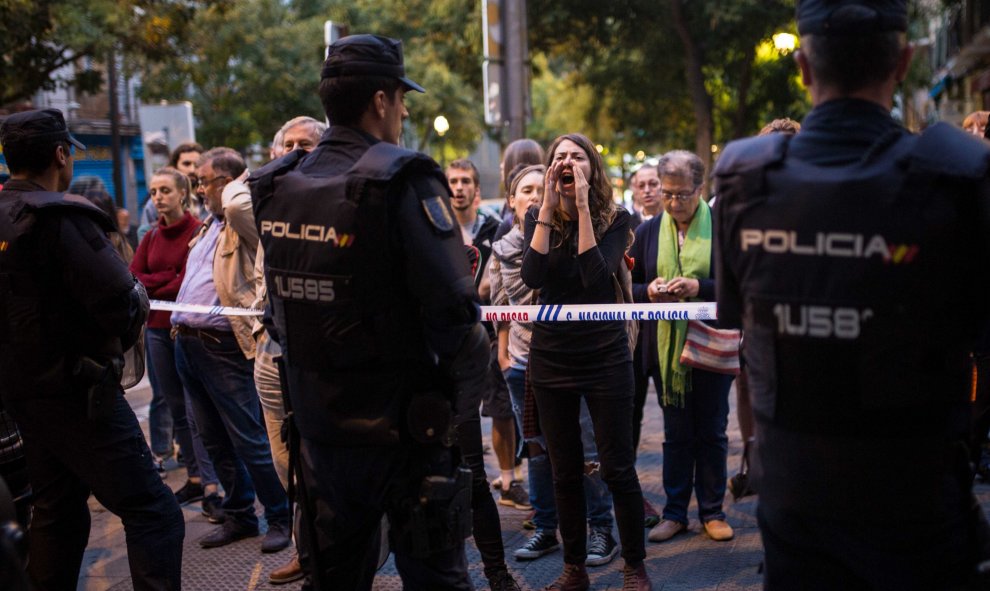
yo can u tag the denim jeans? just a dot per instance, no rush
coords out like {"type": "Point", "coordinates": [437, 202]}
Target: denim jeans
{"type": "Point", "coordinates": [611, 413]}
{"type": "Point", "coordinates": [160, 420]}
{"type": "Point", "coordinates": [220, 383]}
{"type": "Point", "coordinates": [695, 447]}
{"type": "Point", "coordinates": [165, 382]}
{"type": "Point", "coordinates": [597, 498]}
{"type": "Point", "coordinates": [69, 456]}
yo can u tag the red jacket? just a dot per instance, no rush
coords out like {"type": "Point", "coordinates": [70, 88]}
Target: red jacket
{"type": "Point", "coordinates": [160, 262]}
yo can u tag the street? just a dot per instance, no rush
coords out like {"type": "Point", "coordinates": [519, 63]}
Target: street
{"type": "Point", "coordinates": [688, 562]}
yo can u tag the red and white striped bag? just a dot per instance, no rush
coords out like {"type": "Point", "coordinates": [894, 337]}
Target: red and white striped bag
{"type": "Point", "coordinates": [711, 349]}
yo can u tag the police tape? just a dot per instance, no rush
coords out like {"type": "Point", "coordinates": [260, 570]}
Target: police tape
{"type": "Point", "coordinates": [542, 313]}
{"type": "Point", "coordinates": [599, 312]}
{"type": "Point", "coordinates": [162, 306]}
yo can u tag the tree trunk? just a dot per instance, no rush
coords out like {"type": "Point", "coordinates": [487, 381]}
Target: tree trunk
{"type": "Point", "coordinates": [700, 98]}
{"type": "Point", "coordinates": [742, 103]}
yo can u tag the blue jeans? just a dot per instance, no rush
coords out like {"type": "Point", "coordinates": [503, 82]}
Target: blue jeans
{"type": "Point", "coordinates": [165, 383]}
{"type": "Point", "coordinates": [220, 383]}
{"type": "Point", "coordinates": [695, 447]}
{"type": "Point", "coordinates": [598, 500]}
{"type": "Point", "coordinates": [160, 420]}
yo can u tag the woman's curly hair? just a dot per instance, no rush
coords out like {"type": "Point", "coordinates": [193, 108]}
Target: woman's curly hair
{"type": "Point", "coordinates": [600, 202]}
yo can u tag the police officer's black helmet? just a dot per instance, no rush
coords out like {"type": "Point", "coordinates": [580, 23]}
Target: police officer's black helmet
{"type": "Point", "coordinates": [367, 55]}
{"type": "Point", "coordinates": [851, 17]}
{"type": "Point", "coordinates": [45, 125]}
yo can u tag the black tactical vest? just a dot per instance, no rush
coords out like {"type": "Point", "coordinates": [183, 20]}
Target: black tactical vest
{"type": "Point", "coordinates": [36, 337]}
{"type": "Point", "coordinates": [352, 338]}
{"type": "Point", "coordinates": [861, 298]}
{"type": "Point", "coordinates": [863, 289]}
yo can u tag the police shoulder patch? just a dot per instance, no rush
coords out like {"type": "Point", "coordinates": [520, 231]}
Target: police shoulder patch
{"type": "Point", "coordinates": [438, 213]}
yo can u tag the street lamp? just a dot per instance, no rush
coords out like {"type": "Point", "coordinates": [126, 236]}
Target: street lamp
{"type": "Point", "coordinates": [441, 126]}
{"type": "Point", "coordinates": [784, 42]}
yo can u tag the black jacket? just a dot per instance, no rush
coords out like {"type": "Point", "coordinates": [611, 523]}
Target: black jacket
{"type": "Point", "coordinates": [75, 296]}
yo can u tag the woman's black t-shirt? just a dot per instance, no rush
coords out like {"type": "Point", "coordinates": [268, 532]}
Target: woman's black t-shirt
{"type": "Point", "coordinates": [586, 355]}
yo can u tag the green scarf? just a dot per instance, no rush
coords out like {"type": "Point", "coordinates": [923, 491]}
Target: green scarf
{"type": "Point", "coordinates": [692, 260]}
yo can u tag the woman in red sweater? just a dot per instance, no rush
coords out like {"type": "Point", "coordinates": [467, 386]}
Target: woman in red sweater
{"type": "Point", "coordinates": [160, 263]}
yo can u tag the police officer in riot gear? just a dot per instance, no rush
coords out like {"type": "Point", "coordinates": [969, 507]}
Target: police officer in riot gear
{"type": "Point", "coordinates": [375, 308]}
{"type": "Point", "coordinates": [855, 255]}
{"type": "Point", "coordinates": [69, 308]}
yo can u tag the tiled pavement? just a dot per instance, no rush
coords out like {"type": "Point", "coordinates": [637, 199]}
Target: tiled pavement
{"type": "Point", "coordinates": [688, 562]}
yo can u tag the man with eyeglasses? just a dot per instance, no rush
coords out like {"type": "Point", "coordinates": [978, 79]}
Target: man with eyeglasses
{"type": "Point", "coordinates": [69, 308]}
{"type": "Point", "coordinates": [214, 355]}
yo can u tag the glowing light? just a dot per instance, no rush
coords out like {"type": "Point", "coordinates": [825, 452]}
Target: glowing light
{"type": "Point", "coordinates": [441, 125]}
{"type": "Point", "coordinates": [784, 42]}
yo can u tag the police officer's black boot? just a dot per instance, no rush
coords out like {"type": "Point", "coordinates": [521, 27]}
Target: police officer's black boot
{"type": "Point", "coordinates": [503, 581]}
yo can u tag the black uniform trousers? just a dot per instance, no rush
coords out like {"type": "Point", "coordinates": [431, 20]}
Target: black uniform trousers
{"type": "Point", "coordinates": [900, 527]}
{"type": "Point", "coordinates": [981, 407]}
{"type": "Point", "coordinates": [69, 456]}
{"type": "Point", "coordinates": [351, 488]}
{"type": "Point", "coordinates": [821, 553]}
{"type": "Point", "coordinates": [486, 524]}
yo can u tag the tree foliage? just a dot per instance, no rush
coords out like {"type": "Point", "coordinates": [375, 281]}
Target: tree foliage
{"type": "Point", "coordinates": [633, 74]}
{"type": "Point", "coordinates": [39, 37]}
{"type": "Point", "coordinates": [248, 66]}
{"type": "Point", "coordinates": [253, 64]}
{"type": "Point", "coordinates": [672, 73]}
{"type": "Point", "coordinates": [442, 47]}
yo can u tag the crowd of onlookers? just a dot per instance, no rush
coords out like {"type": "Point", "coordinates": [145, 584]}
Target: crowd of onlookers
{"type": "Point", "coordinates": [217, 410]}
{"type": "Point", "coordinates": [565, 398]}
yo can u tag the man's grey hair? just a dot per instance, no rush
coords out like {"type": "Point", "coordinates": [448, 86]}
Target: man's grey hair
{"type": "Point", "coordinates": [316, 129]}
{"type": "Point", "coordinates": [224, 160]}
{"type": "Point", "coordinates": [683, 164]}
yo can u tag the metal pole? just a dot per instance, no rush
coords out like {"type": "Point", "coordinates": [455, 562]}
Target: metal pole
{"type": "Point", "coordinates": [118, 180]}
{"type": "Point", "coordinates": [515, 67]}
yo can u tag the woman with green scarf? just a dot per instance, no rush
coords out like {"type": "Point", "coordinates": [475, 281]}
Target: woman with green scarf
{"type": "Point", "coordinates": [695, 402]}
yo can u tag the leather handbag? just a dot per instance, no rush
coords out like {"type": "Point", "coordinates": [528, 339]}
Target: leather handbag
{"type": "Point", "coordinates": [711, 349]}
{"type": "Point", "coordinates": [622, 283]}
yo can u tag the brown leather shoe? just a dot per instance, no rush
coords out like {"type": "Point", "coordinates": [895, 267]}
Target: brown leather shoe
{"type": "Point", "coordinates": [574, 578]}
{"type": "Point", "coordinates": [635, 578]}
{"type": "Point", "coordinates": [719, 530]}
{"type": "Point", "coordinates": [665, 530]}
{"type": "Point", "coordinates": [288, 572]}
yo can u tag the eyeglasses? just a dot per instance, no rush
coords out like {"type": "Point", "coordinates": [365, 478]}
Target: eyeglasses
{"type": "Point", "coordinates": [682, 197]}
{"type": "Point", "coordinates": [206, 183]}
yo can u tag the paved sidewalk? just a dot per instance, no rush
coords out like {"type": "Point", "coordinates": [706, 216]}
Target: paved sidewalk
{"type": "Point", "coordinates": [688, 562]}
